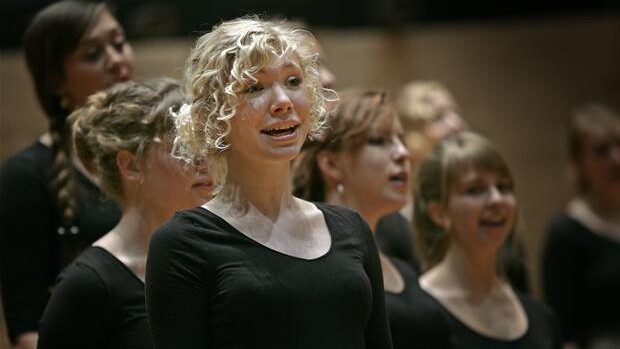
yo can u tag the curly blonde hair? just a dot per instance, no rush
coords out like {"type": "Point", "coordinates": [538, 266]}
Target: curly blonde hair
{"type": "Point", "coordinates": [221, 65]}
{"type": "Point", "coordinates": [127, 116]}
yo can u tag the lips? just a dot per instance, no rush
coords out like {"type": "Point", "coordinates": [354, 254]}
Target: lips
{"type": "Point", "coordinates": [400, 178]}
{"type": "Point", "coordinates": [205, 187]}
{"type": "Point", "coordinates": [282, 129]}
{"type": "Point", "coordinates": [493, 221]}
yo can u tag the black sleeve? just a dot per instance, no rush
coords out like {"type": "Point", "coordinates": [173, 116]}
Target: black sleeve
{"type": "Point", "coordinates": [377, 331]}
{"type": "Point", "coordinates": [560, 277]}
{"type": "Point", "coordinates": [26, 260]}
{"type": "Point", "coordinates": [75, 316]}
{"type": "Point", "coordinates": [176, 297]}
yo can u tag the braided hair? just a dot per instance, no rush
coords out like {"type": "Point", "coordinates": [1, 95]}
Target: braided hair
{"type": "Point", "coordinates": [52, 35]}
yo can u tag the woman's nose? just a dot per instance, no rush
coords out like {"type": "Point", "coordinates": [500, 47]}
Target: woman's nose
{"type": "Point", "coordinates": [115, 59]}
{"type": "Point", "coordinates": [281, 104]}
{"type": "Point", "coordinates": [401, 152]}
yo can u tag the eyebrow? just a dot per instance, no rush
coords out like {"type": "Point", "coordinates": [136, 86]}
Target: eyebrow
{"type": "Point", "coordinates": [113, 31]}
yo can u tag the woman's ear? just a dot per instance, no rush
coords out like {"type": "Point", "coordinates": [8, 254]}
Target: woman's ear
{"type": "Point", "coordinates": [328, 164]}
{"type": "Point", "coordinates": [438, 215]}
{"type": "Point", "coordinates": [129, 166]}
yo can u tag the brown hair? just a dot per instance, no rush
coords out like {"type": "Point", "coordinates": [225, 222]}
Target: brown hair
{"type": "Point", "coordinates": [435, 180]}
{"type": "Point", "coordinates": [585, 120]}
{"type": "Point", "coordinates": [129, 115]}
{"type": "Point", "coordinates": [52, 35]}
{"type": "Point", "coordinates": [346, 130]}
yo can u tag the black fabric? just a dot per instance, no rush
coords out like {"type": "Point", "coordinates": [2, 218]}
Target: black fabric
{"type": "Point", "coordinates": [581, 281]}
{"type": "Point", "coordinates": [415, 320]}
{"type": "Point", "coordinates": [394, 235]}
{"type": "Point", "coordinates": [542, 331]}
{"type": "Point", "coordinates": [30, 247]}
{"type": "Point", "coordinates": [210, 286]}
{"type": "Point", "coordinates": [98, 303]}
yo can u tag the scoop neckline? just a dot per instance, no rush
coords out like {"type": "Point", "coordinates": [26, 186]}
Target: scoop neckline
{"type": "Point", "coordinates": [267, 248]}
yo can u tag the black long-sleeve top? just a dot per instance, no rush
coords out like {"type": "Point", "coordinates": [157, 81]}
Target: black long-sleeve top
{"type": "Point", "coordinates": [415, 319]}
{"type": "Point", "coordinates": [581, 281]}
{"type": "Point", "coordinates": [542, 330]}
{"type": "Point", "coordinates": [31, 249]}
{"type": "Point", "coordinates": [210, 286]}
{"type": "Point", "coordinates": [98, 303]}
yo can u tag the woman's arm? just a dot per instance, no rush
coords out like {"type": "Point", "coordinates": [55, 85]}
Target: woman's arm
{"type": "Point", "coordinates": [176, 291]}
{"type": "Point", "coordinates": [27, 221]}
{"type": "Point", "coordinates": [377, 330]}
{"type": "Point", "coordinates": [77, 313]}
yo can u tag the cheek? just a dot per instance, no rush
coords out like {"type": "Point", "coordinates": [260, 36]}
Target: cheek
{"type": "Point", "coordinates": [82, 80]}
{"type": "Point", "coordinates": [129, 57]}
{"type": "Point", "coordinates": [301, 101]}
{"type": "Point", "coordinates": [253, 105]}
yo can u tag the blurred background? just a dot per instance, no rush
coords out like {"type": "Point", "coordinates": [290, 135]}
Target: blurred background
{"type": "Point", "coordinates": [517, 68]}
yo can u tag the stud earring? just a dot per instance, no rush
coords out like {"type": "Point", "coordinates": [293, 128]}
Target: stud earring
{"type": "Point", "coordinates": [340, 188]}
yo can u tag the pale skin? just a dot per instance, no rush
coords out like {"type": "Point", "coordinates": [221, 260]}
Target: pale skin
{"type": "Point", "coordinates": [258, 200]}
{"type": "Point", "coordinates": [375, 182]}
{"type": "Point", "coordinates": [478, 217]}
{"type": "Point", "coordinates": [155, 187]}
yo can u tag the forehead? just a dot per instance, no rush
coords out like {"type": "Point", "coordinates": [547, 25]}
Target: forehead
{"type": "Point", "coordinates": [472, 172]}
{"type": "Point", "coordinates": [277, 64]}
{"type": "Point", "coordinates": [104, 25]}
{"type": "Point", "coordinates": [601, 133]}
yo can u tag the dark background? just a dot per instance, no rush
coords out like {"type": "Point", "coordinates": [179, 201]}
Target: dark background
{"type": "Point", "coordinates": [189, 18]}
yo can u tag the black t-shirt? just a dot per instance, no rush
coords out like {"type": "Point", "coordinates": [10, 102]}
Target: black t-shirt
{"type": "Point", "coordinates": [97, 303]}
{"type": "Point", "coordinates": [210, 286]}
{"type": "Point", "coordinates": [32, 252]}
{"type": "Point", "coordinates": [415, 320]}
{"type": "Point", "coordinates": [581, 281]}
{"type": "Point", "coordinates": [542, 331]}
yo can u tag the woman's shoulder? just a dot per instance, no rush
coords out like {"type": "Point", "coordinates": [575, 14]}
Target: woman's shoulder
{"type": "Point", "coordinates": [82, 279]}
{"type": "Point", "coordinates": [339, 213]}
{"type": "Point", "coordinates": [535, 308]}
{"type": "Point", "coordinates": [190, 227]}
{"type": "Point", "coordinates": [565, 226]}
{"type": "Point", "coordinates": [35, 160]}
{"type": "Point", "coordinates": [541, 318]}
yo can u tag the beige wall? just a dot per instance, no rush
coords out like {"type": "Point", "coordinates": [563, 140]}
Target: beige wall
{"type": "Point", "coordinates": [515, 81]}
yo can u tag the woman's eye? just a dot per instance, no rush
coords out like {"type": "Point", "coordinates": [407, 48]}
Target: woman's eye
{"type": "Point", "coordinates": [293, 81]}
{"type": "Point", "coordinates": [253, 88]}
{"type": "Point", "coordinates": [377, 140]}
{"type": "Point", "coordinates": [119, 44]}
{"type": "Point", "coordinates": [92, 54]}
{"type": "Point", "coordinates": [475, 190]}
{"type": "Point", "coordinates": [505, 187]}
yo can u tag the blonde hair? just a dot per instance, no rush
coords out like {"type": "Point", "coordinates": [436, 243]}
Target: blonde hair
{"type": "Point", "coordinates": [435, 180]}
{"type": "Point", "coordinates": [220, 66]}
{"type": "Point", "coordinates": [414, 104]}
{"type": "Point", "coordinates": [127, 116]}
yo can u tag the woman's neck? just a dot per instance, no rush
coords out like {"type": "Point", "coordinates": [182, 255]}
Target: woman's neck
{"type": "Point", "coordinates": [131, 236]}
{"type": "Point", "coordinates": [608, 210]}
{"type": "Point", "coordinates": [476, 275]}
{"type": "Point", "coordinates": [267, 187]}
